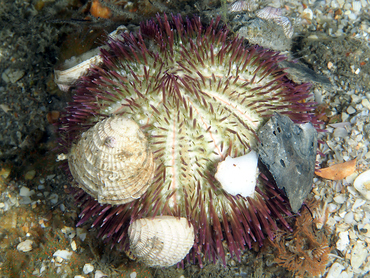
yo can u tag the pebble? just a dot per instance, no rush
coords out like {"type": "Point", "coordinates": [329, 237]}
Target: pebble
{"type": "Point", "coordinates": [340, 199]}
{"type": "Point", "coordinates": [64, 254]}
{"type": "Point", "coordinates": [348, 218]}
{"type": "Point", "coordinates": [30, 175]}
{"type": "Point", "coordinates": [343, 241]}
{"type": "Point", "coordinates": [68, 231]}
{"type": "Point", "coordinates": [99, 274]}
{"type": "Point", "coordinates": [88, 268]}
{"type": "Point", "coordinates": [81, 233]}
{"type": "Point", "coordinates": [335, 270]}
{"type": "Point", "coordinates": [365, 102]}
{"type": "Point", "coordinates": [359, 254]}
{"type": "Point", "coordinates": [26, 192]}
{"type": "Point", "coordinates": [73, 245]}
{"type": "Point", "coordinates": [358, 203]}
{"type": "Point", "coordinates": [25, 246]}
{"type": "Point", "coordinates": [12, 75]}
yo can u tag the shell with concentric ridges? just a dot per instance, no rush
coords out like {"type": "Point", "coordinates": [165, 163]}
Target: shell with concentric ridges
{"type": "Point", "coordinates": [161, 241]}
{"type": "Point", "coordinates": [112, 161]}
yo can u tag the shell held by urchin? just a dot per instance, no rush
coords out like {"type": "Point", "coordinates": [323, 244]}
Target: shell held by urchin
{"type": "Point", "coordinates": [199, 96]}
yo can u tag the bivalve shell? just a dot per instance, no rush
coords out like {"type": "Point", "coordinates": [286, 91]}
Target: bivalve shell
{"type": "Point", "coordinates": [362, 184]}
{"type": "Point", "coordinates": [112, 161]}
{"type": "Point", "coordinates": [161, 241]}
{"type": "Point", "coordinates": [269, 13]}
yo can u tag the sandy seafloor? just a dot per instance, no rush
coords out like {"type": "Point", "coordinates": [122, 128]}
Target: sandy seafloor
{"type": "Point", "coordinates": [38, 237]}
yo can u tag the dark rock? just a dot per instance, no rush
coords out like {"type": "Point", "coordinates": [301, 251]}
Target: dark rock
{"type": "Point", "coordinates": [288, 151]}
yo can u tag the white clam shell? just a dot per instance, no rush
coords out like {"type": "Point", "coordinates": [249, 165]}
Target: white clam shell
{"type": "Point", "coordinates": [67, 77]}
{"type": "Point", "coordinates": [112, 161]}
{"type": "Point", "coordinates": [75, 67]}
{"type": "Point", "coordinates": [161, 241]}
{"type": "Point", "coordinates": [362, 184]}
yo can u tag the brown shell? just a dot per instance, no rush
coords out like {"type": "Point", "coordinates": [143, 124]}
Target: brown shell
{"type": "Point", "coordinates": [112, 161]}
{"type": "Point", "coordinates": [161, 241]}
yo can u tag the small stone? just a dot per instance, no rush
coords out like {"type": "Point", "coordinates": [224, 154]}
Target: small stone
{"type": "Point", "coordinates": [343, 241]}
{"type": "Point", "coordinates": [359, 254]}
{"type": "Point", "coordinates": [351, 110]}
{"type": "Point", "coordinates": [365, 102]}
{"type": "Point", "coordinates": [358, 203]}
{"type": "Point", "coordinates": [345, 116]}
{"type": "Point", "coordinates": [88, 268]}
{"type": "Point", "coordinates": [25, 246]}
{"type": "Point", "coordinates": [68, 231]}
{"type": "Point", "coordinates": [53, 198]}
{"type": "Point", "coordinates": [335, 270]}
{"type": "Point", "coordinates": [12, 75]}
{"type": "Point", "coordinates": [340, 199]}
{"type": "Point", "coordinates": [30, 175]}
{"type": "Point", "coordinates": [81, 233]}
{"type": "Point", "coordinates": [99, 274]}
{"type": "Point", "coordinates": [73, 245]}
{"type": "Point", "coordinates": [58, 259]}
{"type": "Point", "coordinates": [65, 254]}
{"type": "Point", "coordinates": [26, 192]}
{"type": "Point", "coordinates": [348, 218]}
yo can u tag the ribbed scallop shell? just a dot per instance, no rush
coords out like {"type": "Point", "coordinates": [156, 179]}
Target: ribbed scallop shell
{"type": "Point", "coordinates": [284, 22]}
{"type": "Point", "coordinates": [269, 13]}
{"type": "Point", "coordinates": [161, 241]}
{"type": "Point", "coordinates": [242, 5]}
{"type": "Point", "coordinates": [112, 161]}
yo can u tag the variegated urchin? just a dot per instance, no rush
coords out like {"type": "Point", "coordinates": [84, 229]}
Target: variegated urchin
{"type": "Point", "coordinates": [199, 95]}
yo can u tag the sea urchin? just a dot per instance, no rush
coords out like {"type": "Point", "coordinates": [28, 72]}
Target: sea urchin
{"type": "Point", "coordinates": [199, 96]}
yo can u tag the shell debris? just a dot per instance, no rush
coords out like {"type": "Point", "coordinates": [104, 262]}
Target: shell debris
{"type": "Point", "coordinates": [112, 161]}
{"type": "Point", "coordinates": [240, 6]}
{"type": "Point", "coordinates": [362, 184]}
{"type": "Point", "coordinates": [161, 241]}
{"type": "Point", "coordinates": [276, 15]}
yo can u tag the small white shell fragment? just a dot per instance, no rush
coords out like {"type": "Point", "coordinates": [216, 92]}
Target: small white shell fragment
{"type": "Point", "coordinates": [238, 175]}
{"type": "Point", "coordinates": [161, 241]}
{"type": "Point", "coordinates": [332, 207]}
{"type": "Point", "coordinates": [356, 6]}
{"type": "Point", "coordinates": [343, 241]}
{"type": "Point", "coordinates": [340, 199]}
{"type": "Point", "coordinates": [335, 270]}
{"type": "Point", "coordinates": [348, 218]}
{"type": "Point", "coordinates": [359, 254]}
{"type": "Point", "coordinates": [100, 274]}
{"type": "Point", "coordinates": [73, 245]}
{"type": "Point", "coordinates": [64, 254]}
{"type": "Point", "coordinates": [362, 184]}
{"type": "Point", "coordinates": [358, 203]}
{"type": "Point", "coordinates": [88, 268]}
{"type": "Point", "coordinates": [307, 14]}
{"type": "Point", "coordinates": [112, 161]}
{"type": "Point", "coordinates": [25, 246]}
{"type": "Point", "coordinates": [340, 132]}
{"type": "Point", "coordinates": [74, 68]}
{"type": "Point", "coordinates": [26, 192]}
